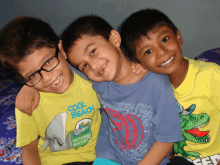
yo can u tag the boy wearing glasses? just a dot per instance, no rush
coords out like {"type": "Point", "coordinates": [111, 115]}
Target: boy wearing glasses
{"type": "Point", "coordinates": [68, 119]}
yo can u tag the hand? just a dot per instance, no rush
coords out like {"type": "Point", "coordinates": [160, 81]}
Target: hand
{"type": "Point", "coordinates": [137, 68]}
{"type": "Point", "coordinates": [27, 99]}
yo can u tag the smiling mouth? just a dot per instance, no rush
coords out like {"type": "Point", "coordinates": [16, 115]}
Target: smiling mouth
{"type": "Point", "coordinates": [57, 83]}
{"type": "Point", "coordinates": [101, 72]}
{"type": "Point", "coordinates": [167, 62]}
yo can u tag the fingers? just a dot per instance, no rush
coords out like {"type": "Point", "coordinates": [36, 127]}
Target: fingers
{"type": "Point", "coordinates": [137, 68]}
{"type": "Point", "coordinates": [23, 106]}
{"type": "Point", "coordinates": [36, 101]}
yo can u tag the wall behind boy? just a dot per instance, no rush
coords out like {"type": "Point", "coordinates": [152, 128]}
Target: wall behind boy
{"type": "Point", "coordinates": [198, 20]}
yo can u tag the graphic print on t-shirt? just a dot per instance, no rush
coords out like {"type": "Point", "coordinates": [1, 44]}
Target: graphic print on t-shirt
{"type": "Point", "coordinates": [131, 128]}
{"type": "Point", "coordinates": [56, 131]}
{"type": "Point", "coordinates": [131, 125]}
{"type": "Point", "coordinates": [190, 124]}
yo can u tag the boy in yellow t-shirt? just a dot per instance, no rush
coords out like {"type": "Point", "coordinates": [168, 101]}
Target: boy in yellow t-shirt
{"type": "Point", "coordinates": [67, 118]}
{"type": "Point", "coordinates": [150, 38]}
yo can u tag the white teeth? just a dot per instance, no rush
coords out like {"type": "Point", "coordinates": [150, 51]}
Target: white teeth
{"type": "Point", "coordinates": [167, 62]}
{"type": "Point", "coordinates": [102, 69]}
{"type": "Point", "coordinates": [56, 83]}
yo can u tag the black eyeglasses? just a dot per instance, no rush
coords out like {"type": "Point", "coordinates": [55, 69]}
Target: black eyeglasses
{"type": "Point", "coordinates": [48, 66]}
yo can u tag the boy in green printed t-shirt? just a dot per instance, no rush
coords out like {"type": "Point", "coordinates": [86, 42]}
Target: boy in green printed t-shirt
{"type": "Point", "coordinates": [151, 39]}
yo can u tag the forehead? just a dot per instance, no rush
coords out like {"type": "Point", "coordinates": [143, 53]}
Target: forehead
{"type": "Point", "coordinates": [82, 46]}
{"type": "Point", "coordinates": [155, 33]}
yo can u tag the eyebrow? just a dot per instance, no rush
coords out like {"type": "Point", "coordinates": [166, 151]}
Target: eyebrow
{"type": "Point", "coordinates": [88, 46]}
{"type": "Point", "coordinates": [86, 49]}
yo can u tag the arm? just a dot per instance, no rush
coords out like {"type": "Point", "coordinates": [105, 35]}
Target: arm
{"type": "Point", "coordinates": [30, 155]}
{"type": "Point", "coordinates": [156, 154]}
{"type": "Point", "coordinates": [27, 99]}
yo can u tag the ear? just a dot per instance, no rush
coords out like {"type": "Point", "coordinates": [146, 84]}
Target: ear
{"type": "Point", "coordinates": [60, 45]}
{"type": "Point", "coordinates": [115, 38]}
{"type": "Point", "coordinates": [179, 38]}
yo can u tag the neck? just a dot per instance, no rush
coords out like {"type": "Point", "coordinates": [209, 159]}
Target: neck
{"type": "Point", "coordinates": [124, 72]}
{"type": "Point", "coordinates": [178, 77]}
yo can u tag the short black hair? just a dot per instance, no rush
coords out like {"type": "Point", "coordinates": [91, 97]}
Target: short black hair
{"type": "Point", "coordinates": [139, 24]}
{"type": "Point", "coordinates": [85, 25]}
{"type": "Point", "coordinates": [21, 37]}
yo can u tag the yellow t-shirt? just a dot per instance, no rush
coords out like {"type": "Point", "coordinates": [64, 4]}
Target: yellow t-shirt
{"type": "Point", "coordinates": [199, 98]}
{"type": "Point", "coordinates": [68, 124]}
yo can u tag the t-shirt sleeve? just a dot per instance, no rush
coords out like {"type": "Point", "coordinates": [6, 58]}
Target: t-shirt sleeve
{"type": "Point", "coordinates": [214, 87]}
{"type": "Point", "coordinates": [166, 119]}
{"type": "Point", "coordinates": [26, 128]}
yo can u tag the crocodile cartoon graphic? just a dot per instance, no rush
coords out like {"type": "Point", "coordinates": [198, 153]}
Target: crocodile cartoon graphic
{"type": "Point", "coordinates": [190, 124]}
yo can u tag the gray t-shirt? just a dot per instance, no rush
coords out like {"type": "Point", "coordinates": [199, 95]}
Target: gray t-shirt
{"type": "Point", "coordinates": [136, 116]}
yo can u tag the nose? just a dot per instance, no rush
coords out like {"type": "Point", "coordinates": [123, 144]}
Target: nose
{"type": "Point", "coordinates": [161, 51]}
{"type": "Point", "coordinates": [93, 64]}
{"type": "Point", "coordinates": [46, 75]}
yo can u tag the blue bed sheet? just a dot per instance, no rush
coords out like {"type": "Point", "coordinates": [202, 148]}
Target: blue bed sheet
{"type": "Point", "coordinates": [9, 87]}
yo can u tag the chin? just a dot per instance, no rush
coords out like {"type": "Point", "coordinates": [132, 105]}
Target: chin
{"type": "Point", "coordinates": [62, 90]}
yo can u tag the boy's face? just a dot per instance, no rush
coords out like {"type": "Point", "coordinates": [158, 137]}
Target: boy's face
{"type": "Point", "coordinates": [55, 81]}
{"type": "Point", "coordinates": [160, 51]}
{"type": "Point", "coordinates": [96, 57]}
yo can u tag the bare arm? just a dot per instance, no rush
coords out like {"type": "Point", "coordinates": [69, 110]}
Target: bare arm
{"type": "Point", "coordinates": [156, 154]}
{"type": "Point", "coordinates": [30, 155]}
{"type": "Point", "coordinates": [27, 99]}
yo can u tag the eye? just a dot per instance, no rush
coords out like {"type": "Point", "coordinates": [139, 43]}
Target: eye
{"type": "Point", "coordinates": [49, 61]}
{"type": "Point", "coordinates": [165, 39]}
{"type": "Point", "coordinates": [93, 51]}
{"type": "Point", "coordinates": [84, 67]}
{"type": "Point", "coordinates": [148, 52]}
{"type": "Point", "coordinates": [31, 77]}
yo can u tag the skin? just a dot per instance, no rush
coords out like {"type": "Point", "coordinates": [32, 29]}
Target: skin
{"type": "Point", "coordinates": [30, 65]}
{"type": "Point", "coordinates": [30, 154]}
{"type": "Point", "coordinates": [158, 47]}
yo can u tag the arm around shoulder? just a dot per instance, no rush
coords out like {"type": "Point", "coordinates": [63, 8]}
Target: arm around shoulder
{"type": "Point", "coordinates": [30, 155]}
{"type": "Point", "coordinates": [27, 99]}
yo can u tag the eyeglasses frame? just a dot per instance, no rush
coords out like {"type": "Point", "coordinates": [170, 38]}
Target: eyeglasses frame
{"type": "Point", "coordinates": [38, 71]}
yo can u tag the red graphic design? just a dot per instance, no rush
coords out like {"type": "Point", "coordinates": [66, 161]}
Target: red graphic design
{"type": "Point", "coordinates": [131, 123]}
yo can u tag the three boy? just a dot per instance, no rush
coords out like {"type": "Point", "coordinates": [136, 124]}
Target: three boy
{"type": "Point", "coordinates": [140, 130]}
{"type": "Point", "coordinates": [158, 48]}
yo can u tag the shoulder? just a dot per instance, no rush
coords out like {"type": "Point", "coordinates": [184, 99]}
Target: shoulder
{"type": "Point", "coordinates": [159, 79]}
{"type": "Point", "coordinates": [157, 84]}
{"type": "Point", "coordinates": [204, 73]}
{"type": "Point", "coordinates": [80, 82]}
{"type": "Point", "coordinates": [203, 67]}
